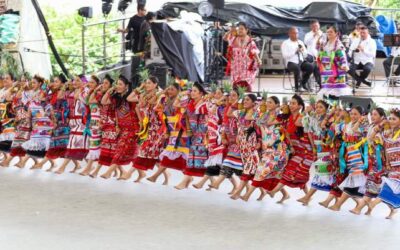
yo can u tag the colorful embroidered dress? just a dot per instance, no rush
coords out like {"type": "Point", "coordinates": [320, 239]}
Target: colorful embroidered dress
{"type": "Point", "coordinates": [330, 60]}
{"type": "Point", "coordinates": [274, 155]}
{"type": "Point", "coordinates": [248, 137]}
{"type": "Point", "coordinates": [61, 130]}
{"type": "Point", "coordinates": [94, 128]}
{"type": "Point", "coordinates": [233, 159]}
{"type": "Point", "coordinates": [376, 163]}
{"type": "Point", "coordinates": [7, 132]}
{"type": "Point", "coordinates": [22, 122]}
{"type": "Point", "coordinates": [153, 141]}
{"type": "Point", "coordinates": [215, 147]}
{"type": "Point", "coordinates": [390, 193]}
{"type": "Point", "coordinates": [324, 171]}
{"type": "Point", "coordinates": [197, 114]}
{"type": "Point", "coordinates": [78, 144]}
{"type": "Point", "coordinates": [108, 134]}
{"type": "Point", "coordinates": [297, 171]}
{"type": "Point", "coordinates": [176, 152]}
{"type": "Point", "coordinates": [42, 127]}
{"type": "Point", "coordinates": [244, 66]}
{"type": "Point", "coordinates": [353, 159]}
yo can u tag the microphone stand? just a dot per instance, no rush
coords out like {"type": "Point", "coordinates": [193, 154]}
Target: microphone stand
{"type": "Point", "coordinates": [353, 66]}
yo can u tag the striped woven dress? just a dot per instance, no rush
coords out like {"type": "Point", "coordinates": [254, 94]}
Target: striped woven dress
{"type": "Point", "coordinates": [197, 115]}
{"type": "Point", "coordinates": [390, 193]}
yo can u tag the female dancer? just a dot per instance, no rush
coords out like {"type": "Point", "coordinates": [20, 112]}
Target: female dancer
{"type": "Point", "coordinates": [175, 154]}
{"type": "Point", "coordinates": [297, 171]}
{"type": "Point", "coordinates": [78, 143]}
{"type": "Point", "coordinates": [324, 175]}
{"type": "Point", "coordinates": [127, 126]}
{"type": "Point", "coordinates": [353, 157]}
{"type": "Point", "coordinates": [229, 131]}
{"type": "Point", "coordinates": [274, 153]}
{"type": "Point", "coordinates": [92, 124]}
{"type": "Point", "coordinates": [107, 127]}
{"type": "Point", "coordinates": [152, 141]}
{"type": "Point", "coordinates": [249, 142]}
{"type": "Point", "coordinates": [59, 115]}
{"type": "Point", "coordinates": [338, 116]}
{"type": "Point", "coordinates": [333, 65]}
{"type": "Point", "coordinates": [22, 120]}
{"type": "Point", "coordinates": [376, 160]}
{"type": "Point", "coordinates": [7, 118]}
{"type": "Point", "coordinates": [42, 125]}
{"type": "Point", "coordinates": [197, 112]}
{"type": "Point", "coordinates": [214, 146]}
{"type": "Point", "coordinates": [390, 193]}
{"type": "Point", "coordinates": [244, 56]}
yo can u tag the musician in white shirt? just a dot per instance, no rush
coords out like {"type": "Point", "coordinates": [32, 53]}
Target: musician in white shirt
{"type": "Point", "coordinates": [312, 40]}
{"type": "Point", "coordinates": [294, 53]}
{"type": "Point", "coordinates": [387, 64]}
{"type": "Point", "coordinates": [363, 51]}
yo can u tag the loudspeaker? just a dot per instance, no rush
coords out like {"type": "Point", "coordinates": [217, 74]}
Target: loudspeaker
{"type": "Point", "coordinates": [352, 101]}
{"type": "Point", "coordinates": [161, 71]}
{"type": "Point", "coordinates": [86, 12]}
{"type": "Point", "coordinates": [219, 4]}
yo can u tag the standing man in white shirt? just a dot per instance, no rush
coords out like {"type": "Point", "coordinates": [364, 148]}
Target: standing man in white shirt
{"type": "Point", "coordinates": [294, 53]}
{"type": "Point", "coordinates": [312, 40]}
{"type": "Point", "coordinates": [364, 53]}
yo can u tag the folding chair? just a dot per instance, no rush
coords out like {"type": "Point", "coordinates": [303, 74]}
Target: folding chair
{"type": "Point", "coordinates": [392, 79]}
{"type": "Point", "coordinates": [287, 74]}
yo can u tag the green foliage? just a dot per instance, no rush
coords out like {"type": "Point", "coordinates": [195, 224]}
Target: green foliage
{"type": "Point", "coordinates": [213, 88]}
{"type": "Point", "coordinates": [264, 95]}
{"type": "Point", "coordinates": [144, 75]}
{"type": "Point", "coordinates": [66, 31]}
{"type": "Point", "coordinates": [8, 64]}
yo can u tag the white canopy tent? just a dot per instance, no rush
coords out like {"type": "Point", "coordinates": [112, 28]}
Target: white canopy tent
{"type": "Point", "coordinates": [32, 37]}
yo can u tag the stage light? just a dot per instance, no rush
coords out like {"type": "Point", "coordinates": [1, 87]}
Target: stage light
{"type": "Point", "coordinates": [123, 5]}
{"type": "Point", "coordinates": [86, 12]}
{"type": "Point", "coordinates": [106, 6]}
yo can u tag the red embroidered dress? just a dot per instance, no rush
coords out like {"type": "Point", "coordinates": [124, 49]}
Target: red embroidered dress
{"type": "Point", "coordinates": [297, 171]}
{"type": "Point", "coordinates": [127, 129]}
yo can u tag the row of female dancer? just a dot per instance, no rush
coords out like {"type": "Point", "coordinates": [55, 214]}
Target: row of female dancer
{"type": "Point", "coordinates": [255, 144]}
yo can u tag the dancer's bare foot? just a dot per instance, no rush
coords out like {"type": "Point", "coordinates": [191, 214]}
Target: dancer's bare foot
{"type": "Point", "coordinates": [5, 163]}
{"type": "Point", "coordinates": [305, 200]}
{"type": "Point", "coordinates": [152, 178]}
{"type": "Point", "coordinates": [86, 171]}
{"type": "Point", "coordinates": [245, 198]}
{"type": "Point", "coordinates": [285, 196]}
{"type": "Point", "coordinates": [141, 175]}
{"type": "Point", "coordinates": [184, 184]}
{"type": "Point", "coordinates": [235, 196]}
{"type": "Point", "coordinates": [262, 195]}
{"type": "Point", "coordinates": [334, 208]}
{"type": "Point", "coordinates": [37, 165]}
{"type": "Point", "coordinates": [325, 203]}
{"type": "Point", "coordinates": [76, 168]}
{"type": "Point", "coordinates": [167, 175]}
{"type": "Point", "coordinates": [197, 186]}
{"type": "Point", "coordinates": [392, 213]}
{"type": "Point", "coordinates": [355, 211]}
{"type": "Point", "coordinates": [60, 170]}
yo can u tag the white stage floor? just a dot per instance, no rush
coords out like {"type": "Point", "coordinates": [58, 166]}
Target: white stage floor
{"type": "Point", "coordinates": [41, 210]}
